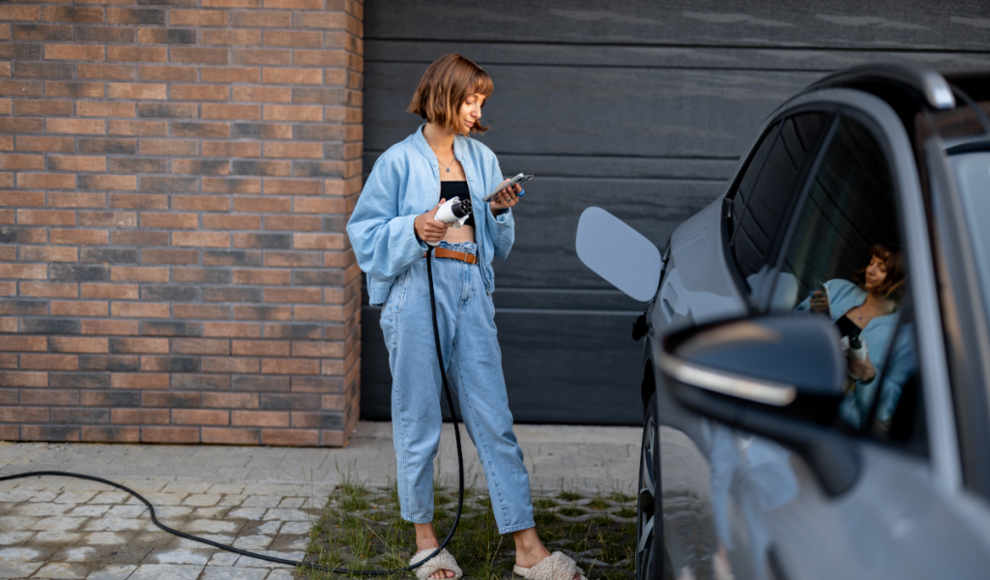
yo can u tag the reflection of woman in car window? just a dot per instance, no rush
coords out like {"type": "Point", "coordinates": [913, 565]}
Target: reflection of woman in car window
{"type": "Point", "coordinates": [866, 316]}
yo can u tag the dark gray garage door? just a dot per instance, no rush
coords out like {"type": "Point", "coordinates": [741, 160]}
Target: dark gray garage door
{"type": "Point", "coordinates": [639, 107]}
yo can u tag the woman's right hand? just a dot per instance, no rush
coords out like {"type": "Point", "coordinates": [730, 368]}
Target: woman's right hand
{"type": "Point", "coordinates": [428, 228]}
{"type": "Point", "coordinates": [818, 301]}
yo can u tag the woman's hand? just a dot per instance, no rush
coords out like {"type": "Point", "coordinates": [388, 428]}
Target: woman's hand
{"type": "Point", "coordinates": [505, 199]}
{"type": "Point", "coordinates": [862, 370]}
{"type": "Point", "coordinates": [428, 228]}
{"type": "Point", "coordinates": [818, 302]}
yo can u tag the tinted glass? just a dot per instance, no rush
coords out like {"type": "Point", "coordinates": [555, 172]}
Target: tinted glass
{"type": "Point", "coordinates": [843, 260]}
{"type": "Point", "coordinates": [972, 172]}
{"type": "Point", "coordinates": [766, 191]}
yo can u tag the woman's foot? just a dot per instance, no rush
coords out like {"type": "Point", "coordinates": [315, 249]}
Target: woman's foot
{"type": "Point", "coordinates": [426, 539]}
{"type": "Point", "coordinates": [530, 551]}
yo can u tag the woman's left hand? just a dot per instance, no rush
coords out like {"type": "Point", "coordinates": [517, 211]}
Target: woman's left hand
{"type": "Point", "coordinates": [861, 370]}
{"type": "Point", "coordinates": [505, 199]}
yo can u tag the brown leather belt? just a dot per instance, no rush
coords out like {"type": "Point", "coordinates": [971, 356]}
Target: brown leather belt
{"type": "Point", "coordinates": [462, 256]}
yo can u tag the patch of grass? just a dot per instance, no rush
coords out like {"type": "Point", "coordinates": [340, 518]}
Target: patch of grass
{"type": "Point", "coordinates": [623, 498]}
{"type": "Point", "coordinates": [626, 513]}
{"type": "Point", "coordinates": [361, 529]}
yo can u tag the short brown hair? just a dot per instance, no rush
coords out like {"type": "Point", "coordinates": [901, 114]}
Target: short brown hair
{"type": "Point", "coordinates": [893, 261]}
{"type": "Point", "coordinates": [444, 88]}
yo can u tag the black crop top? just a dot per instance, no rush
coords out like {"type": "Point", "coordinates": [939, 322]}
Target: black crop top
{"type": "Point", "coordinates": [449, 189]}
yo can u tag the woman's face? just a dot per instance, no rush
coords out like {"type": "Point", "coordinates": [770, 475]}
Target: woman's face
{"type": "Point", "coordinates": [470, 111]}
{"type": "Point", "coordinates": [876, 273]}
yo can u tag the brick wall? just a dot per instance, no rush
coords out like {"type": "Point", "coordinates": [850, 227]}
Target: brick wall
{"type": "Point", "coordinates": [175, 177]}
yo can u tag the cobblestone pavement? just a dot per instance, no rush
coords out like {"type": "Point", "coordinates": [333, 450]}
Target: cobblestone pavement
{"type": "Point", "coordinates": [254, 498]}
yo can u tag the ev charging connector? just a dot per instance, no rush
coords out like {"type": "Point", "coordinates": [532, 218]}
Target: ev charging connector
{"type": "Point", "coordinates": [455, 212]}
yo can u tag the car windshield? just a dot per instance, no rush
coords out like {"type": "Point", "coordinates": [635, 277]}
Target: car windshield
{"type": "Point", "coordinates": [972, 172]}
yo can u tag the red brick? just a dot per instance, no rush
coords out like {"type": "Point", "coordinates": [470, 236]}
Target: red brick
{"type": "Point", "coordinates": [232, 222]}
{"type": "Point", "coordinates": [9, 288]}
{"type": "Point", "coordinates": [293, 38]}
{"type": "Point", "coordinates": [49, 254]}
{"type": "Point", "coordinates": [261, 18]}
{"type": "Point", "coordinates": [200, 417]}
{"type": "Point", "coordinates": [74, 89]}
{"type": "Point", "coordinates": [52, 362]}
{"type": "Point", "coordinates": [137, 91]}
{"type": "Point", "coordinates": [139, 381]}
{"type": "Point", "coordinates": [230, 400]}
{"type": "Point", "coordinates": [318, 241]}
{"type": "Point", "coordinates": [79, 308]}
{"type": "Point", "coordinates": [23, 414]}
{"type": "Point", "coordinates": [45, 144]}
{"type": "Point", "coordinates": [169, 147]}
{"type": "Point", "coordinates": [232, 329]}
{"type": "Point", "coordinates": [265, 276]}
{"type": "Point", "coordinates": [332, 402]}
{"type": "Point", "coordinates": [110, 182]}
{"type": "Point", "coordinates": [201, 166]}
{"type": "Point", "coordinates": [297, 150]}
{"type": "Point", "coordinates": [200, 55]}
{"type": "Point", "coordinates": [104, 434]}
{"type": "Point", "coordinates": [169, 220]}
{"type": "Point", "coordinates": [328, 313]}
{"type": "Point", "coordinates": [138, 201]}
{"type": "Point", "coordinates": [106, 71]}
{"type": "Point", "coordinates": [226, 185]}
{"type": "Point", "coordinates": [263, 94]}
{"type": "Point", "coordinates": [47, 181]}
{"type": "Point", "coordinates": [260, 418]}
{"type": "Point", "coordinates": [231, 365]}
{"type": "Point", "coordinates": [140, 416]}
{"type": "Point", "coordinates": [233, 36]}
{"type": "Point", "coordinates": [231, 436]}
{"type": "Point", "coordinates": [104, 109]}
{"type": "Point", "coordinates": [118, 219]}
{"type": "Point", "coordinates": [139, 238]}
{"type": "Point", "coordinates": [49, 433]}
{"type": "Point", "coordinates": [298, 4]}
{"type": "Point", "coordinates": [138, 274]}
{"type": "Point", "coordinates": [141, 54]}
{"type": "Point", "coordinates": [114, 291]}
{"type": "Point", "coordinates": [77, 163]}
{"type": "Point", "coordinates": [78, 126]}
{"type": "Point", "coordinates": [23, 379]}
{"type": "Point", "coordinates": [261, 56]}
{"type": "Point", "coordinates": [200, 92]}
{"type": "Point", "coordinates": [167, 73]}
{"type": "Point", "coordinates": [290, 366]}
{"type": "Point", "coordinates": [24, 343]}
{"type": "Point", "coordinates": [198, 17]}
{"type": "Point", "coordinates": [43, 107]}
{"type": "Point", "coordinates": [201, 311]}
{"type": "Point", "coordinates": [262, 205]}
{"type": "Point", "coordinates": [201, 239]}
{"type": "Point", "coordinates": [200, 346]}
{"type": "Point", "coordinates": [293, 113]}
{"type": "Point", "coordinates": [317, 348]}
{"type": "Point", "coordinates": [200, 203]}
{"type": "Point", "coordinates": [217, 111]}
{"type": "Point", "coordinates": [49, 289]}
{"type": "Point", "coordinates": [14, 13]}
{"type": "Point", "coordinates": [292, 186]}
{"type": "Point", "coordinates": [294, 295]}
{"type": "Point", "coordinates": [293, 223]}
{"type": "Point", "coordinates": [74, 52]}
{"type": "Point", "coordinates": [170, 256]}
{"type": "Point", "coordinates": [8, 325]}
{"type": "Point", "coordinates": [231, 149]}
{"type": "Point", "coordinates": [319, 205]}
{"type": "Point", "coordinates": [293, 76]}
{"type": "Point", "coordinates": [230, 74]}
{"type": "Point", "coordinates": [81, 237]}
{"type": "Point", "coordinates": [293, 259]}
{"type": "Point", "coordinates": [24, 271]}
{"type": "Point", "coordinates": [140, 128]}
{"type": "Point", "coordinates": [291, 437]}
{"type": "Point", "coordinates": [139, 309]}
{"type": "Point", "coordinates": [260, 348]}
{"type": "Point", "coordinates": [77, 200]}
{"type": "Point", "coordinates": [170, 435]}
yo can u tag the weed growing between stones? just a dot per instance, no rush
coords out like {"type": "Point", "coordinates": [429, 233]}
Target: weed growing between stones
{"type": "Point", "coordinates": [361, 529]}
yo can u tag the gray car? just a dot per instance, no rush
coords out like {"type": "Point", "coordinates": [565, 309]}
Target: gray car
{"type": "Point", "coordinates": [816, 370]}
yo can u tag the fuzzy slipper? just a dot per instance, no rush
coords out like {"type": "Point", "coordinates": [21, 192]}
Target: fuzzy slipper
{"type": "Point", "coordinates": [557, 566]}
{"type": "Point", "coordinates": [442, 561]}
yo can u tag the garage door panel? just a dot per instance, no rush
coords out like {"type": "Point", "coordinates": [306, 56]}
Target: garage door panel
{"type": "Point", "coordinates": [560, 367]}
{"type": "Point", "coordinates": [886, 24]}
{"type": "Point", "coordinates": [598, 110]}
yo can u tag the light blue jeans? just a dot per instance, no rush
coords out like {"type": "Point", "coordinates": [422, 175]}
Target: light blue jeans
{"type": "Point", "coordinates": [466, 318]}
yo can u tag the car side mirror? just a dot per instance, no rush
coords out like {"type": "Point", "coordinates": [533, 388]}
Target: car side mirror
{"type": "Point", "coordinates": [619, 254]}
{"type": "Point", "coordinates": [779, 376]}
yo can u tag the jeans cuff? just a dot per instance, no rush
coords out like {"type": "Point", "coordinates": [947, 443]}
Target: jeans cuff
{"type": "Point", "coordinates": [424, 520]}
{"type": "Point", "coordinates": [516, 528]}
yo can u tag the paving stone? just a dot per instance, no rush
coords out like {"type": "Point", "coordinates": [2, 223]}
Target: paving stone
{"type": "Point", "coordinates": [59, 523]}
{"type": "Point", "coordinates": [112, 497]}
{"type": "Point", "coordinates": [115, 572]}
{"type": "Point", "coordinates": [247, 513]}
{"type": "Point", "coordinates": [106, 539]}
{"type": "Point", "coordinates": [75, 497]}
{"type": "Point", "coordinates": [7, 538]}
{"type": "Point", "coordinates": [232, 500]}
{"type": "Point", "coordinates": [11, 569]}
{"type": "Point", "coordinates": [160, 499]}
{"type": "Point", "coordinates": [77, 554]}
{"type": "Point", "coordinates": [172, 512]}
{"type": "Point", "coordinates": [280, 574]}
{"type": "Point", "coordinates": [269, 528]}
{"type": "Point", "coordinates": [20, 554]}
{"type": "Point", "coordinates": [288, 515]}
{"type": "Point", "coordinates": [222, 558]}
{"type": "Point", "coordinates": [182, 556]}
{"type": "Point", "coordinates": [56, 537]}
{"type": "Point", "coordinates": [296, 528]}
{"type": "Point", "coordinates": [202, 499]}
{"type": "Point", "coordinates": [228, 488]}
{"type": "Point", "coordinates": [41, 509]}
{"type": "Point", "coordinates": [218, 538]}
{"type": "Point", "coordinates": [187, 487]}
{"type": "Point", "coordinates": [216, 513]}
{"type": "Point", "coordinates": [62, 570]}
{"type": "Point", "coordinates": [218, 573]}
{"type": "Point", "coordinates": [108, 524]}
{"type": "Point", "coordinates": [166, 572]}
{"type": "Point", "coordinates": [255, 542]}
{"type": "Point", "coordinates": [249, 562]}
{"type": "Point", "coordinates": [211, 526]}
{"type": "Point", "coordinates": [89, 510]}
{"type": "Point", "coordinates": [127, 511]}
{"type": "Point", "coordinates": [268, 501]}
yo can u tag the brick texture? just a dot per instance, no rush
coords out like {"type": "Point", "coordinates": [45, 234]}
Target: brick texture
{"type": "Point", "coordinates": [174, 181]}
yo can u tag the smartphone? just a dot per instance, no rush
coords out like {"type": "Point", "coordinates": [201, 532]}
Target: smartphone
{"type": "Point", "coordinates": [824, 290]}
{"type": "Point", "coordinates": [517, 180]}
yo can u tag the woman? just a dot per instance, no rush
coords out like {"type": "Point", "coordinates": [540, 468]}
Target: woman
{"type": "Point", "coordinates": [389, 230]}
{"type": "Point", "coordinates": [866, 314]}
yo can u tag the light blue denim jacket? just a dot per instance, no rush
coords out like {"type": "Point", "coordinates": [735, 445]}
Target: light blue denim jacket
{"type": "Point", "coordinates": [879, 337]}
{"type": "Point", "coordinates": [404, 183]}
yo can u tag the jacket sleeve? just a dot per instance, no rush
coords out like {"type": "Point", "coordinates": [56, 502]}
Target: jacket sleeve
{"type": "Point", "coordinates": [384, 242]}
{"type": "Point", "coordinates": [501, 228]}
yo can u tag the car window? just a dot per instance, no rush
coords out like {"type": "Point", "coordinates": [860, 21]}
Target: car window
{"type": "Point", "coordinates": [843, 260]}
{"type": "Point", "coordinates": [765, 193]}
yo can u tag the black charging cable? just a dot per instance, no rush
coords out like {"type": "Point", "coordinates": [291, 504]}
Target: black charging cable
{"type": "Point", "coordinates": [336, 570]}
